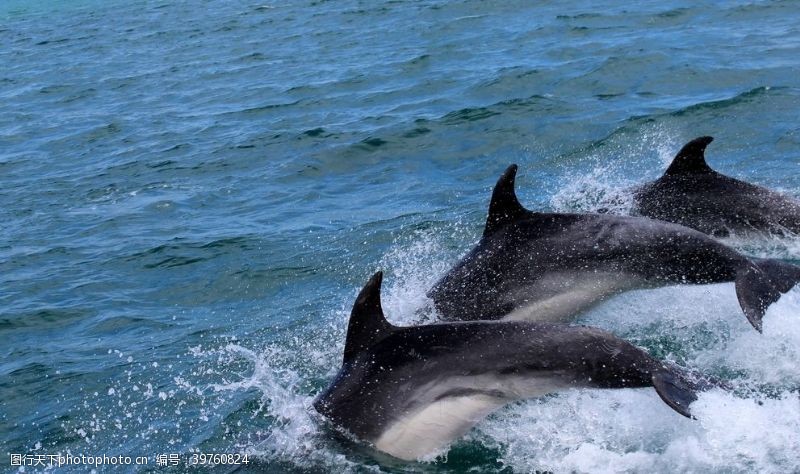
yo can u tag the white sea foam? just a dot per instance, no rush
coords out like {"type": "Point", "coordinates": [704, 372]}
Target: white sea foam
{"type": "Point", "coordinates": [769, 358]}
{"type": "Point", "coordinates": [708, 323]}
{"type": "Point", "coordinates": [633, 431]}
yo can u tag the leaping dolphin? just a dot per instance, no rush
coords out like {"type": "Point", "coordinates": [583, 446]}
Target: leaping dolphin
{"type": "Point", "coordinates": [549, 267]}
{"type": "Point", "coordinates": [690, 193]}
{"type": "Point", "coordinates": [410, 391]}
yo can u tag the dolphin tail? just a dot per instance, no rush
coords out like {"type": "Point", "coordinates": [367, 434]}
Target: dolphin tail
{"type": "Point", "coordinates": [762, 283]}
{"type": "Point", "coordinates": [679, 388]}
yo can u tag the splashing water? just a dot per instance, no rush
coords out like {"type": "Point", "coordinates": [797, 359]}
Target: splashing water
{"type": "Point", "coordinates": [758, 244]}
{"type": "Point", "coordinates": [415, 268]}
{"type": "Point", "coordinates": [632, 430]}
{"type": "Point", "coordinates": [613, 168]}
{"type": "Point", "coordinates": [601, 190]}
{"type": "Point", "coordinates": [295, 436]}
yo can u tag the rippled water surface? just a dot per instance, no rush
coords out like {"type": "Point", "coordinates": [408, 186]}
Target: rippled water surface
{"type": "Point", "coordinates": [193, 192]}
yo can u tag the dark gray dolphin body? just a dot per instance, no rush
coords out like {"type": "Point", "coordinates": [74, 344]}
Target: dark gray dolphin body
{"type": "Point", "coordinates": [690, 193]}
{"type": "Point", "coordinates": [410, 391]}
{"type": "Point", "coordinates": [549, 267]}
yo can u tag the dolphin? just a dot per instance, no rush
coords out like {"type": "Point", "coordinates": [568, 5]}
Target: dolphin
{"type": "Point", "coordinates": [690, 193]}
{"type": "Point", "coordinates": [411, 391]}
{"type": "Point", "coordinates": [549, 267]}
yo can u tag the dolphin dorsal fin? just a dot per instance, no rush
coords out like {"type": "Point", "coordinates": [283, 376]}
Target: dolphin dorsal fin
{"type": "Point", "coordinates": [691, 159]}
{"type": "Point", "coordinates": [504, 206]}
{"type": "Point", "coordinates": [367, 323]}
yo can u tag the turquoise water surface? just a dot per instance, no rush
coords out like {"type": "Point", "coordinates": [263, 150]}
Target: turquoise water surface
{"type": "Point", "coordinates": [193, 193]}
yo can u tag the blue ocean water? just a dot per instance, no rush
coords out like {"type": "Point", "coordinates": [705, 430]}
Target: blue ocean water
{"type": "Point", "coordinates": [193, 193]}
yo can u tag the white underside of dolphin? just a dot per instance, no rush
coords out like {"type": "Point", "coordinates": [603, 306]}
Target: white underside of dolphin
{"type": "Point", "coordinates": [437, 422]}
{"type": "Point", "coordinates": [558, 297]}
